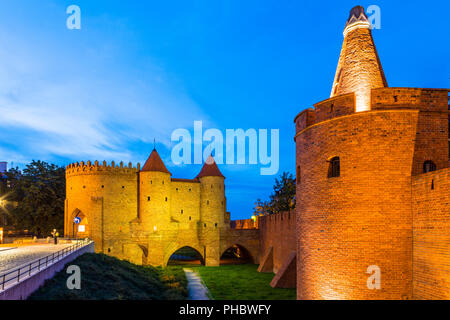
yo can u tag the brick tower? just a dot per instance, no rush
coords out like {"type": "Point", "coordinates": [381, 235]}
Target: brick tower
{"type": "Point", "coordinates": [372, 164]}
{"type": "Point", "coordinates": [359, 69]}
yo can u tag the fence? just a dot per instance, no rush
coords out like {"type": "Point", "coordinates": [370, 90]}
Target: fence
{"type": "Point", "coordinates": [27, 270]}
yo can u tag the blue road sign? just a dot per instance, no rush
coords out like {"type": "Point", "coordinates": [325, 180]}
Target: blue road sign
{"type": "Point", "coordinates": [77, 220]}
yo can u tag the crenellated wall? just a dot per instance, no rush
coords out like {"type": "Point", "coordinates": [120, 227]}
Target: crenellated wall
{"type": "Point", "coordinates": [245, 224]}
{"type": "Point", "coordinates": [144, 216]}
{"type": "Point", "coordinates": [106, 196]}
{"type": "Point", "coordinates": [279, 232]}
{"type": "Point", "coordinates": [365, 200]}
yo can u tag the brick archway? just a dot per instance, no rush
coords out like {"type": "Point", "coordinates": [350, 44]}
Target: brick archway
{"type": "Point", "coordinates": [242, 250]}
{"type": "Point", "coordinates": [175, 247]}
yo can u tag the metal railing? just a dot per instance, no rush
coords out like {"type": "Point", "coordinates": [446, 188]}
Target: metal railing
{"type": "Point", "coordinates": [27, 270]}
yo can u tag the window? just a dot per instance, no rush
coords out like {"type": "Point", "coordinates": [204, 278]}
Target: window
{"type": "Point", "coordinates": [429, 166]}
{"type": "Point", "coordinates": [298, 175]}
{"type": "Point", "coordinates": [181, 211]}
{"type": "Point", "coordinates": [148, 198]}
{"type": "Point", "coordinates": [334, 170]}
{"type": "Point", "coordinates": [166, 199]}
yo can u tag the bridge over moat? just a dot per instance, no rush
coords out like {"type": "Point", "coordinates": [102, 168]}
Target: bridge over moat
{"type": "Point", "coordinates": [144, 215]}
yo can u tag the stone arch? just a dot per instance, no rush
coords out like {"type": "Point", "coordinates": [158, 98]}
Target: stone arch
{"type": "Point", "coordinates": [246, 252]}
{"type": "Point", "coordinates": [83, 226]}
{"type": "Point", "coordinates": [175, 247]}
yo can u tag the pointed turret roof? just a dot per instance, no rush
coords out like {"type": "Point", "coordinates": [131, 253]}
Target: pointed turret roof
{"type": "Point", "coordinates": [357, 16]}
{"type": "Point", "coordinates": [210, 169]}
{"type": "Point", "coordinates": [154, 163]}
{"type": "Point", "coordinates": [359, 69]}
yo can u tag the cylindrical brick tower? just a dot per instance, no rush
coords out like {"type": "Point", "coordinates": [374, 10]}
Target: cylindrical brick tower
{"type": "Point", "coordinates": [154, 203]}
{"type": "Point", "coordinates": [104, 197]}
{"type": "Point", "coordinates": [212, 209]}
{"type": "Point", "coordinates": [354, 184]}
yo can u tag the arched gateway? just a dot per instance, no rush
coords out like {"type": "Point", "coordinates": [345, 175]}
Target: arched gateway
{"type": "Point", "coordinates": [145, 215]}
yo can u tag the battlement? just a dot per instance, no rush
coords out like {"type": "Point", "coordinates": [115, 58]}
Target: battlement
{"type": "Point", "coordinates": [410, 98]}
{"type": "Point", "coordinates": [88, 168]}
{"type": "Point", "coordinates": [426, 100]}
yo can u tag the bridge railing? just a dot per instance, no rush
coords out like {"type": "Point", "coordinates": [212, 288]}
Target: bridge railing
{"type": "Point", "coordinates": [28, 269]}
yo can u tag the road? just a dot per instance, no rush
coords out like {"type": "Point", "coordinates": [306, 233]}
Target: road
{"type": "Point", "coordinates": [13, 258]}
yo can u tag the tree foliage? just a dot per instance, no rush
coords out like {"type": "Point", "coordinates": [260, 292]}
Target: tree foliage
{"type": "Point", "coordinates": [282, 198]}
{"type": "Point", "coordinates": [39, 192]}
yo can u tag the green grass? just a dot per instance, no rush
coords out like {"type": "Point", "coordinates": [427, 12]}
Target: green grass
{"type": "Point", "coordinates": [241, 282]}
{"type": "Point", "coordinates": [107, 278]}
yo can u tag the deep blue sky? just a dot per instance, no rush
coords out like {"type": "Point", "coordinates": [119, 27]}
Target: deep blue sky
{"type": "Point", "coordinates": [138, 70]}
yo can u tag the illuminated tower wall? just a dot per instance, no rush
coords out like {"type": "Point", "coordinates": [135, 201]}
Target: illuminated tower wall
{"type": "Point", "coordinates": [359, 68]}
{"type": "Point", "coordinates": [378, 206]}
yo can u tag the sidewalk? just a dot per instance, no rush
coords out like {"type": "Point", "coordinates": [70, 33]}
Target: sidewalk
{"type": "Point", "coordinates": [197, 290]}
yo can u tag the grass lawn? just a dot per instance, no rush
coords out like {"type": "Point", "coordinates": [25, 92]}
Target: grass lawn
{"type": "Point", "coordinates": [241, 282]}
{"type": "Point", "coordinates": [107, 278]}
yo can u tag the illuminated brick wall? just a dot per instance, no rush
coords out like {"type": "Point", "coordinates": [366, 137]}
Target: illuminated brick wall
{"type": "Point", "coordinates": [145, 216]}
{"type": "Point", "coordinates": [361, 218]}
{"type": "Point", "coordinates": [278, 231]}
{"type": "Point", "coordinates": [431, 210]}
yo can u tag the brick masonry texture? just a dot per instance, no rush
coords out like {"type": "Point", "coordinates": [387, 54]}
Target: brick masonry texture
{"type": "Point", "coordinates": [431, 225]}
{"type": "Point", "coordinates": [278, 231]}
{"type": "Point", "coordinates": [145, 216]}
{"type": "Point", "coordinates": [382, 209]}
{"type": "Point", "coordinates": [363, 217]}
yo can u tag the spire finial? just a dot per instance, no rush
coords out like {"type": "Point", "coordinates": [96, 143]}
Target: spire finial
{"type": "Point", "coordinates": [154, 144]}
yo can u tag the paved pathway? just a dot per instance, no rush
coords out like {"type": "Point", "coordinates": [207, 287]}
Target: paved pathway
{"type": "Point", "coordinates": [10, 259]}
{"type": "Point", "coordinates": [196, 288]}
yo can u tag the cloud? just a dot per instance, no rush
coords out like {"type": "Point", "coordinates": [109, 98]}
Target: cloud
{"type": "Point", "coordinates": [77, 108]}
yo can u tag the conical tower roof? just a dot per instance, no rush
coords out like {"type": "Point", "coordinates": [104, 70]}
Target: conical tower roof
{"type": "Point", "coordinates": [210, 169]}
{"type": "Point", "coordinates": [359, 69]}
{"type": "Point", "coordinates": [154, 163]}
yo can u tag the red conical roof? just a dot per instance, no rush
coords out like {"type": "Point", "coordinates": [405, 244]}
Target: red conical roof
{"type": "Point", "coordinates": [210, 169]}
{"type": "Point", "coordinates": [154, 163]}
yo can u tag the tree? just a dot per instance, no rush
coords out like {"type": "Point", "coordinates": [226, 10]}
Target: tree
{"type": "Point", "coordinates": [282, 198]}
{"type": "Point", "coordinates": [39, 192]}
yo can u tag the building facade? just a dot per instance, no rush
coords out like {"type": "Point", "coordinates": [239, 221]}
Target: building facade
{"type": "Point", "coordinates": [372, 183]}
{"type": "Point", "coordinates": [144, 215]}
